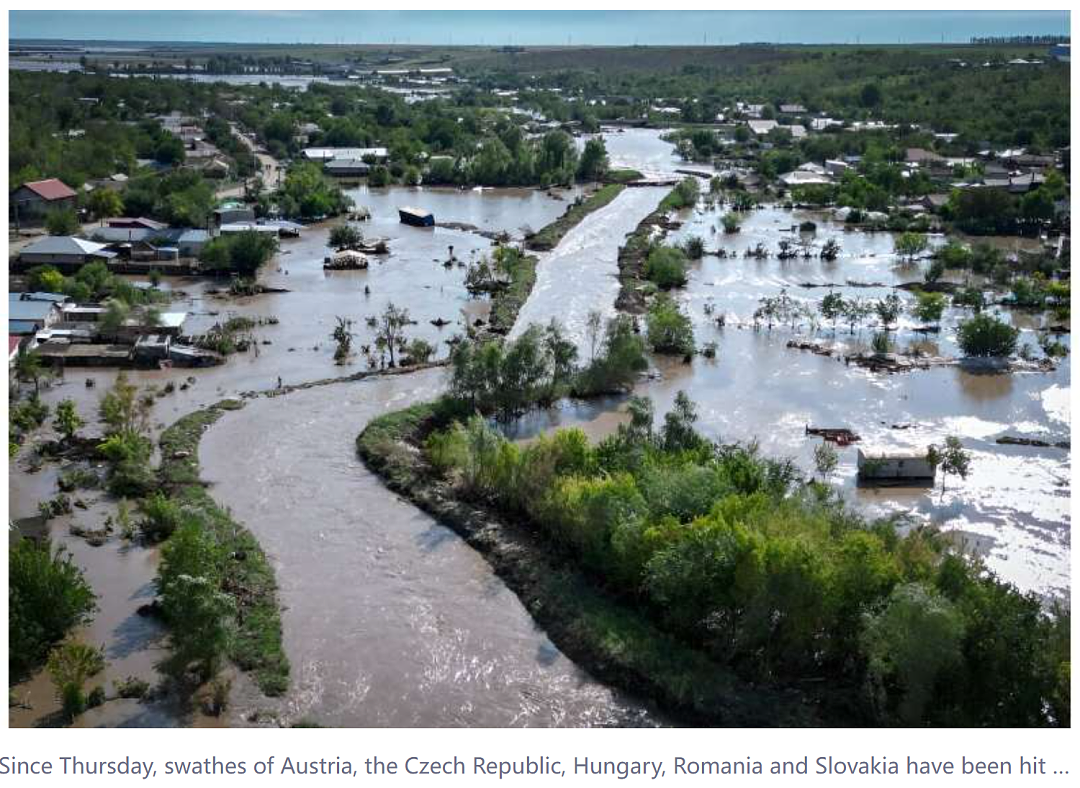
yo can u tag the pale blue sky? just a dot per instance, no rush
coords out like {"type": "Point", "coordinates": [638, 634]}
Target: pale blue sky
{"type": "Point", "coordinates": [534, 27]}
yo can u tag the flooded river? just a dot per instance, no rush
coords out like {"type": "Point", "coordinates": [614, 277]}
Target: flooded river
{"type": "Point", "coordinates": [390, 619]}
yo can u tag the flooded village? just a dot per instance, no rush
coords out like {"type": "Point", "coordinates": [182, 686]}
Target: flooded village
{"type": "Point", "coordinates": [408, 391]}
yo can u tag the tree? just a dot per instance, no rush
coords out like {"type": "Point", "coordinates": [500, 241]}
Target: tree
{"type": "Point", "coordinates": [856, 310]}
{"type": "Point", "coordinates": [47, 597]}
{"type": "Point", "coordinates": [390, 331]}
{"type": "Point", "coordinates": [913, 641]}
{"type": "Point", "coordinates": [28, 367]}
{"type": "Point", "coordinates": [934, 271]}
{"type": "Point", "coordinates": [189, 584]}
{"type": "Point", "coordinates": [825, 460]}
{"type": "Point", "coordinates": [870, 95]}
{"type": "Point", "coordinates": [986, 336]}
{"type": "Point", "coordinates": [952, 458]}
{"type": "Point", "coordinates": [104, 202]}
{"type": "Point", "coordinates": [666, 267]}
{"type": "Point", "coordinates": [678, 433]}
{"type": "Point", "coordinates": [343, 336]}
{"type": "Point", "coordinates": [345, 236]}
{"type": "Point", "coordinates": [669, 329]}
{"type": "Point", "coordinates": [910, 245]}
{"type": "Point", "coordinates": [62, 221]}
{"type": "Point", "coordinates": [832, 307]}
{"type": "Point", "coordinates": [379, 176]}
{"type": "Point", "coordinates": [116, 314]}
{"type": "Point", "coordinates": [929, 307]}
{"type": "Point", "coordinates": [594, 160]}
{"type": "Point", "coordinates": [888, 309]}
{"type": "Point", "coordinates": [67, 421]}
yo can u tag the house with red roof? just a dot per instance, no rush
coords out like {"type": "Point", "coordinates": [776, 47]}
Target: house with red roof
{"type": "Point", "coordinates": [34, 199]}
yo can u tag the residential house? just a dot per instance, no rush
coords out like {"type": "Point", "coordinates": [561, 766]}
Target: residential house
{"type": "Point", "coordinates": [934, 202]}
{"type": "Point", "coordinates": [761, 127]}
{"type": "Point", "coordinates": [136, 223]}
{"type": "Point", "coordinates": [792, 109]}
{"type": "Point", "coordinates": [28, 315]}
{"type": "Point", "coordinates": [346, 168]}
{"type": "Point", "coordinates": [35, 199]}
{"type": "Point", "coordinates": [836, 168]}
{"type": "Point", "coordinates": [921, 157]}
{"type": "Point", "coordinates": [63, 252]}
{"type": "Point", "coordinates": [329, 154]}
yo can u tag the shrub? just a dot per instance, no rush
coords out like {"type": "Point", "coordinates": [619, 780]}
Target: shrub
{"type": "Point", "coordinates": [694, 248]}
{"type": "Point", "coordinates": [70, 665]}
{"type": "Point", "coordinates": [929, 307]}
{"type": "Point", "coordinates": [666, 267]}
{"type": "Point", "coordinates": [162, 516]}
{"type": "Point", "coordinates": [616, 368]}
{"type": "Point", "coordinates": [985, 335]}
{"type": "Point", "coordinates": [669, 329]}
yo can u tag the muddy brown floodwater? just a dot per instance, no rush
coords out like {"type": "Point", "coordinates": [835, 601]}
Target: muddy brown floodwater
{"type": "Point", "coordinates": [390, 619]}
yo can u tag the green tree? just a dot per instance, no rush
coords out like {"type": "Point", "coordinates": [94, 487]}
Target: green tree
{"type": "Point", "coordinates": [910, 245]}
{"type": "Point", "coordinates": [825, 460]}
{"type": "Point", "coordinates": [669, 328]}
{"type": "Point", "coordinates": [594, 160]}
{"type": "Point", "coordinates": [28, 367]}
{"type": "Point", "coordinates": [62, 221]}
{"type": "Point", "coordinates": [832, 307]}
{"type": "Point", "coordinates": [48, 596]}
{"type": "Point", "coordinates": [987, 336]}
{"type": "Point", "coordinates": [929, 307]}
{"type": "Point", "coordinates": [104, 203]}
{"type": "Point", "coordinates": [67, 421]}
{"type": "Point", "coordinates": [911, 644]}
{"type": "Point", "coordinates": [952, 458]}
{"type": "Point", "coordinates": [666, 267]}
{"type": "Point", "coordinates": [888, 309]}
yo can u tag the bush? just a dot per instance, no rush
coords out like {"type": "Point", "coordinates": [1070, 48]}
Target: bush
{"type": "Point", "coordinates": [694, 248]}
{"type": "Point", "coordinates": [929, 307]}
{"type": "Point", "coordinates": [162, 516]}
{"type": "Point", "coordinates": [985, 335]}
{"type": "Point", "coordinates": [418, 351]}
{"type": "Point", "coordinates": [240, 253]}
{"type": "Point", "coordinates": [47, 597]}
{"type": "Point", "coordinates": [669, 329]}
{"type": "Point", "coordinates": [70, 665]}
{"type": "Point", "coordinates": [616, 368]}
{"type": "Point", "coordinates": [666, 267]}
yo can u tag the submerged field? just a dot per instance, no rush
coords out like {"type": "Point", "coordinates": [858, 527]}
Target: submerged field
{"type": "Point", "coordinates": [390, 619]}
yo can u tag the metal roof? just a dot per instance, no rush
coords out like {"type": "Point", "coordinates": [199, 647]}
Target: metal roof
{"type": "Point", "coordinates": [50, 189]}
{"type": "Point", "coordinates": [65, 244]}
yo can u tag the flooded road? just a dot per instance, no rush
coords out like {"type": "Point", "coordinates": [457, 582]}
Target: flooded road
{"type": "Point", "coordinates": [581, 274]}
{"type": "Point", "coordinates": [390, 619]}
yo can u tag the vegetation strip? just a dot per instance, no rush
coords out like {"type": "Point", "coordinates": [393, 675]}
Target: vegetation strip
{"type": "Point", "coordinates": [246, 575]}
{"type": "Point", "coordinates": [634, 288]}
{"type": "Point", "coordinates": [548, 238]}
{"type": "Point", "coordinates": [608, 638]}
